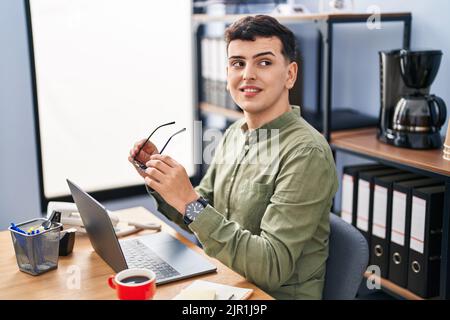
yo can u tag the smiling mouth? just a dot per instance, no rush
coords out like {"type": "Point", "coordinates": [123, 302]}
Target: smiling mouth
{"type": "Point", "coordinates": [250, 92]}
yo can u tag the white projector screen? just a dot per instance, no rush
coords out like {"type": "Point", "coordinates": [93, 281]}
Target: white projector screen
{"type": "Point", "coordinates": [107, 73]}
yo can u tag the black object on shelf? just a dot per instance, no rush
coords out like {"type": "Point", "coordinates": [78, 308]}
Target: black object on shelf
{"type": "Point", "coordinates": [66, 242]}
{"type": "Point", "coordinates": [410, 117]}
{"type": "Point", "coordinates": [341, 119]}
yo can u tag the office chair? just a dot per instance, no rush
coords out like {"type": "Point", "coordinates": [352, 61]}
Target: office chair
{"type": "Point", "coordinates": [347, 261]}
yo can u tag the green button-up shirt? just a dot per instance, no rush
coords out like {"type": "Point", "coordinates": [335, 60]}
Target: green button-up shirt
{"type": "Point", "coordinates": [269, 192]}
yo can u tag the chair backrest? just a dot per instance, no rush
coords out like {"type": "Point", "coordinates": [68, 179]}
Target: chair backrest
{"type": "Point", "coordinates": [347, 261]}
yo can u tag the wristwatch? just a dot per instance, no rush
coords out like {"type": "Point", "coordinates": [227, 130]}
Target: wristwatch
{"type": "Point", "coordinates": [193, 209]}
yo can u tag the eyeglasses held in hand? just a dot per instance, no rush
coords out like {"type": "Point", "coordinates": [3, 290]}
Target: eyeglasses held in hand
{"type": "Point", "coordinates": [139, 164]}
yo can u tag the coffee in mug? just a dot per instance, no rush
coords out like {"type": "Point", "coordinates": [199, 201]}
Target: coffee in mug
{"type": "Point", "coordinates": [135, 279]}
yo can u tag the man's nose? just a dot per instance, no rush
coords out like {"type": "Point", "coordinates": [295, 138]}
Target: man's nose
{"type": "Point", "coordinates": [249, 73]}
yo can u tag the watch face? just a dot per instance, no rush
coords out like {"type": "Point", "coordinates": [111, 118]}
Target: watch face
{"type": "Point", "coordinates": [193, 209]}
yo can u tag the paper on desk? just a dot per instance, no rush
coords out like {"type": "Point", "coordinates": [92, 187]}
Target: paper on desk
{"type": "Point", "coordinates": [201, 290]}
{"type": "Point", "coordinates": [196, 294]}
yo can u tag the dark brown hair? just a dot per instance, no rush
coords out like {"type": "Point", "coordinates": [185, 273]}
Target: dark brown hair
{"type": "Point", "coordinates": [248, 28]}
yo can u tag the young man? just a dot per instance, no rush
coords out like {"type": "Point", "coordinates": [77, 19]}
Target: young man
{"type": "Point", "coordinates": [267, 220]}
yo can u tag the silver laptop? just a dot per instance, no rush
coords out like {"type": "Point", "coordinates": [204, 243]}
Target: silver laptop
{"type": "Point", "coordinates": [160, 252]}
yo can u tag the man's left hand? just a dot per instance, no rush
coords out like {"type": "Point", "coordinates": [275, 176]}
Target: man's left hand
{"type": "Point", "coordinates": [171, 181]}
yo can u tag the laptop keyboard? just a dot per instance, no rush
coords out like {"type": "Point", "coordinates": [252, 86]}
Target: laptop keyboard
{"type": "Point", "coordinates": [139, 255]}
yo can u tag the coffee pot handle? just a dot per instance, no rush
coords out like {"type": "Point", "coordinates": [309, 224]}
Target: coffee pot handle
{"type": "Point", "coordinates": [441, 109]}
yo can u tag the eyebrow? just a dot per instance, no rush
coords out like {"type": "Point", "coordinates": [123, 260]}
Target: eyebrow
{"type": "Point", "coordinates": [255, 56]}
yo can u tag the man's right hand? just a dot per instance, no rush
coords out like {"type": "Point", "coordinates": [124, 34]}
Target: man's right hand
{"type": "Point", "coordinates": [143, 156]}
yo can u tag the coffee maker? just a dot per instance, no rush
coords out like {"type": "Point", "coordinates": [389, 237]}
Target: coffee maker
{"type": "Point", "coordinates": [409, 116]}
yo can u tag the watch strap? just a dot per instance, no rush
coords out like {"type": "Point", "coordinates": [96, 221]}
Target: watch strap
{"type": "Point", "coordinates": [203, 201]}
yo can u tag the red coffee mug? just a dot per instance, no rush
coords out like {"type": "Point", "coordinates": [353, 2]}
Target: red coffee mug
{"type": "Point", "coordinates": [134, 284]}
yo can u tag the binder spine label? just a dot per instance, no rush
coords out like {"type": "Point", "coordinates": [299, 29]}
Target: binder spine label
{"type": "Point", "coordinates": [362, 221]}
{"type": "Point", "coordinates": [398, 218]}
{"type": "Point", "coordinates": [418, 218]}
{"type": "Point", "coordinates": [347, 196]}
{"type": "Point", "coordinates": [379, 212]}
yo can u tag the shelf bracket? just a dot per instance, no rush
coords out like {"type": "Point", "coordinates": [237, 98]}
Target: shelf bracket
{"type": "Point", "coordinates": [325, 53]}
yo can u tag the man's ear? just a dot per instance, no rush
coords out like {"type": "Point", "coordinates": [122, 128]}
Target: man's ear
{"type": "Point", "coordinates": [292, 75]}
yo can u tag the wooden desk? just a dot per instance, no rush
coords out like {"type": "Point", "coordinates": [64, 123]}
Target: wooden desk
{"type": "Point", "coordinates": [94, 272]}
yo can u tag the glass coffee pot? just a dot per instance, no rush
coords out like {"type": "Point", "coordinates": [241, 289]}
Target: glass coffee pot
{"type": "Point", "coordinates": [417, 112]}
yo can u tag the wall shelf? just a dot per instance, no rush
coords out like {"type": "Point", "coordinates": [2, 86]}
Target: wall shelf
{"type": "Point", "coordinates": [364, 143]}
{"type": "Point", "coordinates": [325, 23]}
{"type": "Point", "coordinates": [393, 288]}
{"type": "Point", "coordinates": [230, 114]}
{"type": "Point", "coordinates": [340, 117]}
{"type": "Point", "coordinates": [301, 17]}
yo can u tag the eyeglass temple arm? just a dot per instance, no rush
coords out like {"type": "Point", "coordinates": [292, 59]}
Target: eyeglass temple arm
{"type": "Point", "coordinates": [168, 140]}
{"type": "Point", "coordinates": [165, 124]}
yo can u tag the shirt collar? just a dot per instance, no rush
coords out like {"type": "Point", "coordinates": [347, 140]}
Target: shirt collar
{"type": "Point", "coordinates": [283, 120]}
